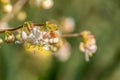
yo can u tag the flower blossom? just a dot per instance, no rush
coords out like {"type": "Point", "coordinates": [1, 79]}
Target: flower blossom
{"type": "Point", "coordinates": [41, 37]}
{"type": "Point", "coordinates": [88, 46]}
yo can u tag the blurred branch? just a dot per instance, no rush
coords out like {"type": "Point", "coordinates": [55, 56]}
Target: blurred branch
{"type": "Point", "coordinates": [16, 8]}
{"type": "Point", "coordinates": [71, 35]}
{"type": "Point", "coordinates": [14, 29]}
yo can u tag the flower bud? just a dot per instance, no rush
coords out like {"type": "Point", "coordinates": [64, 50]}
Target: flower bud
{"type": "Point", "coordinates": [9, 38]}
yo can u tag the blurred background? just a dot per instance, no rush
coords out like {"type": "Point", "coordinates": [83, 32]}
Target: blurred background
{"type": "Point", "coordinates": [101, 17]}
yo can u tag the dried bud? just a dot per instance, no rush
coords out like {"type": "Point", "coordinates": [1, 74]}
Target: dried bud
{"type": "Point", "coordinates": [53, 34]}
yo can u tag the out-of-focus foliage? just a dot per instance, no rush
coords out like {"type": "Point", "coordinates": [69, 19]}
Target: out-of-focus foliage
{"type": "Point", "coordinates": [102, 17]}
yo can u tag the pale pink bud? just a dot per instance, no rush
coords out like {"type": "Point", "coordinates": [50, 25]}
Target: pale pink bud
{"type": "Point", "coordinates": [68, 24]}
{"type": "Point", "coordinates": [64, 52]}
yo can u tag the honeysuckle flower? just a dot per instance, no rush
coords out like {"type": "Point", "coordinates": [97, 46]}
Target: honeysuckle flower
{"type": "Point", "coordinates": [88, 46]}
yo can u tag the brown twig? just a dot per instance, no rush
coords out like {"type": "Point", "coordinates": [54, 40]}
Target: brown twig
{"type": "Point", "coordinates": [14, 29]}
{"type": "Point", "coordinates": [71, 35]}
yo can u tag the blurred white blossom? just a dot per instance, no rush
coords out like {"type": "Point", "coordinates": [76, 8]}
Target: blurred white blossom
{"type": "Point", "coordinates": [7, 8]}
{"type": "Point", "coordinates": [47, 4]}
{"type": "Point", "coordinates": [63, 54]}
{"type": "Point", "coordinates": [68, 24]}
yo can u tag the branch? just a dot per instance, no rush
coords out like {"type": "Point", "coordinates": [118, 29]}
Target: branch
{"type": "Point", "coordinates": [14, 29]}
{"type": "Point", "coordinates": [71, 35]}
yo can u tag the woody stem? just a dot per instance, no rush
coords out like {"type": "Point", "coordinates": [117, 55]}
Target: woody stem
{"type": "Point", "coordinates": [34, 24]}
{"type": "Point", "coordinates": [14, 29]}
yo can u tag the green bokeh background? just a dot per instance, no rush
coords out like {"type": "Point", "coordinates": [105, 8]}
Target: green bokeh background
{"type": "Point", "coordinates": [101, 17]}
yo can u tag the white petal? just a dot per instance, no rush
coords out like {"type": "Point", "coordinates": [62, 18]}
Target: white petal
{"type": "Point", "coordinates": [34, 30]}
{"type": "Point", "coordinates": [82, 47]}
{"type": "Point", "coordinates": [93, 48]}
{"type": "Point", "coordinates": [24, 35]}
{"type": "Point", "coordinates": [46, 47]}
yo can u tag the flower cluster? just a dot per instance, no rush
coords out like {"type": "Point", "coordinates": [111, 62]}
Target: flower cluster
{"type": "Point", "coordinates": [88, 46]}
{"type": "Point", "coordinates": [46, 39]}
